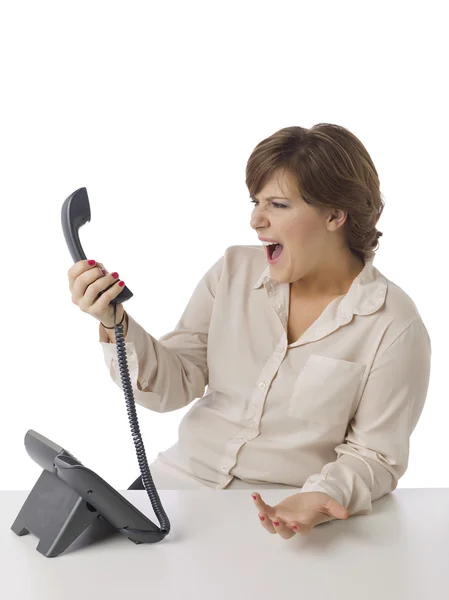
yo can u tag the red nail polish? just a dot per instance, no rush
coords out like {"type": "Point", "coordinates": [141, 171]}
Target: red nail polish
{"type": "Point", "coordinates": [262, 518]}
{"type": "Point", "coordinates": [276, 523]}
{"type": "Point", "coordinates": [91, 262]}
{"type": "Point", "coordinates": [294, 527]}
{"type": "Point", "coordinates": [254, 496]}
{"type": "Point", "coordinates": [121, 283]}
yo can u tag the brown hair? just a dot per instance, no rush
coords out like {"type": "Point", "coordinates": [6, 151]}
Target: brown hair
{"type": "Point", "coordinates": [331, 169]}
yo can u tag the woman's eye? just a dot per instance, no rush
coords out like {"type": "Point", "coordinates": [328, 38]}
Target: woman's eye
{"type": "Point", "coordinates": [276, 204]}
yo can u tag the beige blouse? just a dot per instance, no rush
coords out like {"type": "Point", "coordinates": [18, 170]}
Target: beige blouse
{"type": "Point", "coordinates": [331, 412]}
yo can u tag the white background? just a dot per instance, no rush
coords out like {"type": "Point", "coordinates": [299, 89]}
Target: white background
{"type": "Point", "coordinates": [155, 107]}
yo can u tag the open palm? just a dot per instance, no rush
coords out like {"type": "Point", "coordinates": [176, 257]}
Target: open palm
{"type": "Point", "coordinates": [299, 513]}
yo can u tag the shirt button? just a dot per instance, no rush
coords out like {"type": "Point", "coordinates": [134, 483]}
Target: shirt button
{"type": "Point", "coordinates": [224, 467]}
{"type": "Point", "coordinates": [262, 385]}
{"type": "Point", "coordinates": [281, 348]}
{"type": "Point", "coordinates": [239, 439]}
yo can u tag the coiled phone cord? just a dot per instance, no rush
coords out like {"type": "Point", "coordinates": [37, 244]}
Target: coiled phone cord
{"type": "Point", "coordinates": [147, 480]}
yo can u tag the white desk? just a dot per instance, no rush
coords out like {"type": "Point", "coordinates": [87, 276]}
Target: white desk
{"type": "Point", "coordinates": [217, 549]}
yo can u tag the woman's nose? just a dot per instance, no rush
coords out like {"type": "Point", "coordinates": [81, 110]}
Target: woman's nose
{"type": "Point", "coordinates": [258, 222]}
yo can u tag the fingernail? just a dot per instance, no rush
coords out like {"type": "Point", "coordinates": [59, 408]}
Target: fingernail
{"type": "Point", "coordinates": [104, 271]}
{"type": "Point", "coordinates": [91, 262]}
{"type": "Point", "coordinates": [121, 283]}
{"type": "Point", "coordinates": [254, 496]}
{"type": "Point", "coordinates": [294, 527]}
{"type": "Point", "coordinates": [276, 523]}
{"type": "Point", "coordinates": [114, 274]}
{"type": "Point", "coordinates": [261, 518]}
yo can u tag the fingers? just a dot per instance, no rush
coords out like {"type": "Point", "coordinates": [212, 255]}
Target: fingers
{"type": "Point", "coordinates": [263, 508]}
{"type": "Point", "coordinates": [283, 529]}
{"type": "Point", "coordinates": [77, 269]}
{"type": "Point", "coordinates": [88, 284]}
{"type": "Point", "coordinates": [277, 525]}
{"type": "Point", "coordinates": [82, 284]}
{"type": "Point", "coordinates": [94, 291]}
{"type": "Point", "coordinates": [101, 283]}
{"type": "Point", "coordinates": [265, 511]}
{"type": "Point", "coordinates": [101, 305]}
{"type": "Point", "coordinates": [80, 275]}
{"type": "Point", "coordinates": [270, 521]}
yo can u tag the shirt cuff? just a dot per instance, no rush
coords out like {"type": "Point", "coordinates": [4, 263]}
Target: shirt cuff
{"type": "Point", "coordinates": [343, 483]}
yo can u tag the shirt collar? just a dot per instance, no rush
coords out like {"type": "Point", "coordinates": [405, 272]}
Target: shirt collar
{"type": "Point", "coordinates": [365, 296]}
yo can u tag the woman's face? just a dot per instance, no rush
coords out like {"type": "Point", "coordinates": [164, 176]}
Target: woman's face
{"type": "Point", "coordinates": [314, 257]}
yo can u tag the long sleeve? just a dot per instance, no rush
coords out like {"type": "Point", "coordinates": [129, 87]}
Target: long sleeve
{"type": "Point", "coordinates": [376, 449]}
{"type": "Point", "coordinates": [171, 372]}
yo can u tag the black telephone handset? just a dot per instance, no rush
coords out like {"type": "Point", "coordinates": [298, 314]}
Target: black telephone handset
{"type": "Point", "coordinates": [75, 213]}
{"type": "Point", "coordinates": [68, 496]}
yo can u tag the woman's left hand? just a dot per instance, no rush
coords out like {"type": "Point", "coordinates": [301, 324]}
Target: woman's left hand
{"type": "Point", "coordinates": [303, 511]}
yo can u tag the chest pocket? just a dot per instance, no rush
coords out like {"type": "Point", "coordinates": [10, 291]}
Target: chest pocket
{"type": "Point", "coordinates": [325, 390]}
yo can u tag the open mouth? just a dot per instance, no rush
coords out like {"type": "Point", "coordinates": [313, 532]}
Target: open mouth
{"type": "Point", "coordinates": [274, 252]}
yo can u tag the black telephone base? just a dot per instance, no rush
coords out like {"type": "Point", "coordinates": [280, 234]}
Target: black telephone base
{"type": "Point", "coordinates": [55, 514]}
{"type": "Point", "coordinates": [68, 497]}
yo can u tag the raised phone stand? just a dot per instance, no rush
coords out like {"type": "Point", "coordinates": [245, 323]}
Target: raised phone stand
{"type": "Point", "coordinates": [68, 497]}
{"type": "Point", "coordinates": [55, 514]}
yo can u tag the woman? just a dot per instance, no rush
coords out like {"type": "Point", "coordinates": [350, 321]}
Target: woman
{"type": "Point", "coordinates": [316, 365]}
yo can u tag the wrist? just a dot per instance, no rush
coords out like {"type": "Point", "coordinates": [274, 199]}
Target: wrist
{"type": "Point", "coordinates": [120, 318]}
{"type": "Point", "coordinates": [108, 334]}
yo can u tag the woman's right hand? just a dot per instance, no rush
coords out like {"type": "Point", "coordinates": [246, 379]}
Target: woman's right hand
{"type": "Point", "coordinates": [86, 281]}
